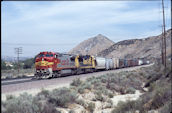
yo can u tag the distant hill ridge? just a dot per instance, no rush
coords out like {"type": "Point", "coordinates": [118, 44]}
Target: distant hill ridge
{"type": "Point", "coordinates": [92, 45]}
{"type": "Point", "coordinates": [138, 48]}
{"type": "Point", "coordinates": [100, 45]}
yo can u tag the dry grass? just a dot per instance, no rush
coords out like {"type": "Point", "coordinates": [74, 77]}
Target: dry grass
{"type": "Point", "coordinates": [6, 74]}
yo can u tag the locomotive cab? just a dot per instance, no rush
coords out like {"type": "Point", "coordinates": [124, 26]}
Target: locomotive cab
{"type": "Point", "coordinates": [44, 64]}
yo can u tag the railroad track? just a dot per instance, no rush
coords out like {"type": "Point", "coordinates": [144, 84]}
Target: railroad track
{"type": "Point", "coordinates": [16, 81]}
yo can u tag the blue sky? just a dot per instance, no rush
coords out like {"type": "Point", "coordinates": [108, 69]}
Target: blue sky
{"type": "Point", "coordinates": [61, 25]}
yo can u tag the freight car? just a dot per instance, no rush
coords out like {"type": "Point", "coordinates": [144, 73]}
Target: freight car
{"type": "Point", "coordinates": [100, 63]}
{"type": "Point", "coordinates": [109, 64]}
{"type": "Point", "coordinates": [53, 64]}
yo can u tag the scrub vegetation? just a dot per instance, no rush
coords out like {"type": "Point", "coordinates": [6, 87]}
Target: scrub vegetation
{"type": "Point", "coordinates": [99, 93]}
{"type": "Point", "coordinates": [10, 69]}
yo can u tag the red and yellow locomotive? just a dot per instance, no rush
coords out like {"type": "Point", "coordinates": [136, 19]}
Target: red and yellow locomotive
{"type": "Point", "coordinates": [51, 64]}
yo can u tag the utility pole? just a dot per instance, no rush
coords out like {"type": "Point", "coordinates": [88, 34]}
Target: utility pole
{"type": "Point", "coordinates": [164, 48]}
{"type": "Point", "coordinates": [18, 51]}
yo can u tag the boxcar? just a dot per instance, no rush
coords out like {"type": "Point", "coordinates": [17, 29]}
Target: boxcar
{"type": "Point", "coordinates": [121, 63]}
{"type": "Point", "coordinates": [109, 63]}
{"type": "Point", "coordinates": [125, 63]}
{"type": "Point", "coordinates": [115, 63]}
{"type": "Point", "coordinates": [100, 63]}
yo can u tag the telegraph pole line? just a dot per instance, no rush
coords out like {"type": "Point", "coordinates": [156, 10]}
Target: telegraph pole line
{"type": "Point", "coordinates": [164, 34]}
{"type": "Point", "coordinates": [18, 51]}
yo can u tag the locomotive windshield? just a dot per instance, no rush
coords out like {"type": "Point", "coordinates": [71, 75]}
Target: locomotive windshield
{"type": "Point", "coordinates": [41, 55]}
{"type": "Point", "coordinates": [45, 55]}
{"type": "Point", "coordinates": [49, 55]}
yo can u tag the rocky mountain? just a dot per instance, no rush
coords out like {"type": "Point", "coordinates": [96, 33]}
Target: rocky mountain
{"type": "Point", "coordinates": [138, 48]}
{"type": "Point", "coordinates": [92, 46]}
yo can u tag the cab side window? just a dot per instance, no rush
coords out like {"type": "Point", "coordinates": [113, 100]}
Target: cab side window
{"type": "Point", "coordinates": [72, 59]}
{"type": "Point", "coordinates": [60, 55]}
{"type": "Point", "coordinates": [80, 59]}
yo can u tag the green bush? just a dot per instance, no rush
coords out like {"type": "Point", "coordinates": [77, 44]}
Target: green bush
{"type": "Point", "coordinates": [166, 108]}
{"type": "Point", "coordinates": [28, 63]}
{"type": "Point", "coordinates": [8, 97]}
{"type": "Point", "coordinates": [91, 107]}
{"type": "Point", "coordinates": [44, 92]}
{"type": "Point", "coordinates": [110, 95]}
{"type": "Point", "coordinates": [125, 107]}
{"type": "Point", "coordinates": [21, 104]}
{"type": "Point", "coordinates": [61, 97]}
{"type": "Point", "coordinates": [81, 102]}
{"type": "Point", "coordinates": [84, 86]}
{"type": "Point", "coordinates": [130, 90]}
{"type": "Point", "coordinates": [99, 96]}
{"type": "Point", "coordinates": [71, 111]}
{"type": "Point", "coordinates": [161, 96]}
{"type": "Point", "coordinates": [76, 82]}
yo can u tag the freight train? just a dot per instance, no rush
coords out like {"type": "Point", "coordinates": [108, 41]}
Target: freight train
{"type": "Point", "coordinates": [54, 64]}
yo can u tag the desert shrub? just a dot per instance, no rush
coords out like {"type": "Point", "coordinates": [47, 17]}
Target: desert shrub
{"type": "Point", "coordinates": [124, 107]}
{"type": "Point", "coordinates": [130, 90]}
{"type": "Point", "coordinates": [110, 103]}
{"type": "Point", "coordinates": [28, 63]}
{"type": "Point", "coordinates": [82, 87]}
{"type": "Point", "coordinates": [27, 104]}
{"type": "Point", "coordinates": [45, 107]}
{"type": "Point", "coordinates": [21, 104]}
{"type": "Point", "coordinates": [91, 107]}
{"type": "Point", "coordinates": [161, 96]}
{"type": "Point", "coordinates": [8, 97]}
{"type": "Point", "coordinates": [99, 96]}
{"type": "Point", "coordinates": [44, 92]}
{"type": "Point", "coordinates": [81, 90]}
{"type": "Point", "coordinates": [117, 88]}
{"type": "Point", "coordinates": [61, 97]}
{"type": "Point", "coordinates": [39, 97]}
{"type": "Point", "coordinates": [110, 95]}
{"type": "Point", "coordinates": [71, 111]}
{"type": "Point", "coordinates": [166, 108]}
{"type": "Point", "coordinates": [13, 73]}
{"type": "Point", "coordinates": [87, 85]}
{"type": "Point", "coordinates": [96, 82]}
{"type": "Point", "coordinates": [76, 82]}
{"type": "Point", "coordinates": [152, 86]}
{"type": "Point", "coordinates": [3, 109]}
{"type": "Point", "coordinates": [104, 79]}
{"type": "Point", "coordinates": [81, 102]}
{"type": "Point", "coordinates": [113, 86]}
{"type": "Point", "coordinates": [155, 99]}
{"type": "Point", "coordinates": [101, 89]}
{"type": "Point", "coordinates": [91, 78]}
{"type": "Point", "coordinates": [114, 79]}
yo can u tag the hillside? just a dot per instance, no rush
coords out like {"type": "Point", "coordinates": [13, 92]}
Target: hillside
{"type": "Point", "coordinates": [92, 46]}
{"type": "Point", "coordinates": [138, 48]}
